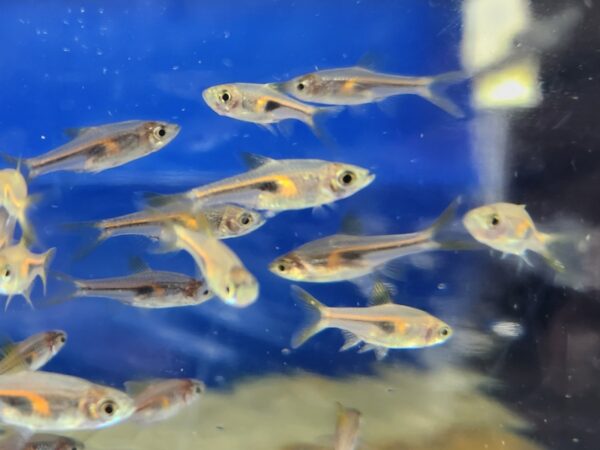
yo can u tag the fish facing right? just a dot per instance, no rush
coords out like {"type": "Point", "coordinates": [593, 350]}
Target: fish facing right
{"type": "Point", "coordinates": [44, 401]}
{"type": "Point", "coordinates": [380, 327]}
{"type": "Point", "coordinates": [97, 148]}
{"type": "Point", "coordinates": [32, 353]}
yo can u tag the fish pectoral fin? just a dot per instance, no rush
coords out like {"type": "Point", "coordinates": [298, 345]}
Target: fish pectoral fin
{"type": "Point", "coordinates": [351, 340]}
{"type": "Point", "coordinates": [394, 269]}
{"type": "Point", "coordinates": [381, 293]}
{"type": "Point", "coordinates": [8, 300]}
{"type": "Point", "coordinates": [380, 352]}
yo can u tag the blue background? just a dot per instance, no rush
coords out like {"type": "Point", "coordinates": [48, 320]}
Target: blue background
{"type": "Point", "coordinates": [67, 64]}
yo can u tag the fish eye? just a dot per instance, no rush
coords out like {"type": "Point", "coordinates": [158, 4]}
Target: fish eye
{"type": "Point", "coordinates": [159, 132]}
{"type": "Point", "coordinates": [282, 267]}
{"type": "Point", "coordinates": [205, 292]}
{"type": "Point", "coordinates": [63, 339]}
{"type": "Point", "coordinates": [245, 219]}
{"type": "Point", "coordinates": [444, 331]}
{"type": "Point", "coordinates": [300, 86]}
{"type": "Point", "coordinates": [227, 289]}
{"type": "Point", "coordinates": [346, 178]}
{"type": "Point", "coordinates": [108, 408]}
{"type": "Point", "coordinates": [198, 390]}
{"type": "Point", "coordinates": [225, 96]}
{"type": "Point", "coordinates": [494, 220]}
{"type": "Point", "coordinates": [7, 273]}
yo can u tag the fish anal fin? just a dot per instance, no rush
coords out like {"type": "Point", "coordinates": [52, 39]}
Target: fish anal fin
{"type": "Point", "coordinates": [393, 269]}
{"type": "Point", "coordinates": [351, 340]}
{"type": "Point", "coordinates": [380, 352]}
{"type": "Point", "coordinates": [254, 161]}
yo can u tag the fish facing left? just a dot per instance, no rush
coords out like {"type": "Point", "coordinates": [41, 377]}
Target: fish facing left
{"type": "Point", "coordinates": [380, 327]}
{"type": "Point", "coordinates": [261, 104]}
{"type": "Point", "coordinates": [44, 401]}
{"type": "Point", "coordinates": [32, 353]}
{"type": "Point", "coordinates": [97, 148]}
{"type": "Point", "coordinates": [19, 267]}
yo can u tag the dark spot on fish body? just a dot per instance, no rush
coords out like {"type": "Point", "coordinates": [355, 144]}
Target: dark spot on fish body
{"type": "Point", "coordinates": [29, 359]}
{"type": "Point", "coordinates": [272, 105]}
{"type": "Point", "coordinates": [268, 186]}
{"type": "Point", "coordinates": [23, 404]}
{"type": "Point", "coordinates": [351, 255]}
{"type": "Point", "coordinates": [387, 326]}
{"type": "Point", "coordinates": [145, 291]}
{"type": "Point", "coordinates": [191, 289]}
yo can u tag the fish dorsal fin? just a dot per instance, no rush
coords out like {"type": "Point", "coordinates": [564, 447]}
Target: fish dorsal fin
{"type": "Point", "coordinates": [351, 225]}
{"type": "Point", "coordinates": [381, 294]}
{"type": "Point", "coordinates": [254, 161]}
{"type": "Point", "coordinates": [77, 132]}
{"type": "Point", "coordinates": [136, 387]}
{"type": "Point", "coordinates": [369, 61]}
{"type": "Point", "coordinates": [138, 265]}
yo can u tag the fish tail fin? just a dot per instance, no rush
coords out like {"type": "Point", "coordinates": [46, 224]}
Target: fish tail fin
{"type": "Point", "coordinates": [315, 322]}
{"type": "Point", "coordinates": [549, 255]}
{"type": "Point", "coordinates": [316, 122]}
{"type": "Point", "coordinates": [435, 92]}
{"type": "Point", "coordinates": [444, 219]}
{"type": "Point", "coordinates": [47, 258]}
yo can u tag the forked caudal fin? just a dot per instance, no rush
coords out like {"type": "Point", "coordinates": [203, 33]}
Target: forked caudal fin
{"type": "Point", "coordinates": [435, 92]}
{"type": "Point", "coordinates": [315, 322]}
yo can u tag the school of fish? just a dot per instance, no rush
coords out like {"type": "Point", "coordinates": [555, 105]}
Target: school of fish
{"type": "Point", "coordinates": [198, 221]}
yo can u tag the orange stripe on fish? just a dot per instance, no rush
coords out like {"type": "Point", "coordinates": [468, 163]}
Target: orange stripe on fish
{"type": "Point", "coordinates": [286, 186]}
{"type": "Point", "coordinates": [261, 103]}
{"type": "Point", "coordinates": [348, 86]}
{"type": "Point", "coordinates": [39, 404]}
{"type": "Point", "coordinates": [111, 147]}
{"type": "Point", "coordinates": [522, 228]}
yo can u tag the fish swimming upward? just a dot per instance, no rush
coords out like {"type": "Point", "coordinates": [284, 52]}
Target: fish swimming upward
{"type": "Point", "coordinates": [97, 148]}
{"type": "Point", "coordinates": [347, 257]}
{"type": "Point", "coordinates": [358, 85]}
{"type": "Point", "coordinates": [15, 199]}
{"type": "Point", "coordinates": [347, 428]}
{"type": "Point", "coordinates": [381, 327]}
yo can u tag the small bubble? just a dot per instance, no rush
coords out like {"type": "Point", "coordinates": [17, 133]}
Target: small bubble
{"type": "Point", "coordinates": [285, 351]}
{"type": "Point", "coordinates": [66, 49]}
{"type": "Point", "coordinates": [226, 34]}
{"type": "Point", "coordinates": [442, 286]}
{"type": "Point", "coordinates": [82, 10]}
{"type": "Point", "coordinates": [99, 52]}
{"type": "Point", "coordinates": [100, 10]}
{"type": "Point", "coordinates": [175, 68]}
{"type": "Point", "coordinates": [227, 62]}
{"type": "Point", "coordinates": [43, 137]}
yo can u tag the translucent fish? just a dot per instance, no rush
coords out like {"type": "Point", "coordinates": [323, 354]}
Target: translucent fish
{"type": "Point", "coordinates": [7, 228]}
{"type": "Point", "coordinates": [25, 440]}
{"type": "Point", "coordinates": [43, 401]}
{"type": "Point", "coordinates": [15, 199]}
{"type": "Point", "coordinates": [346, 257]}
{"type": "Point", "coordinates": [358, 85]}
{"type": "Point", "coordinates": [509, 228]}
{"type": "Point", "coordinates": [223, 271]}
{"type": "Point", "coordinates": [33, 353]}
{"type": "Point", "coordinates": [380, 327]}
{"type": "Point", "coordinates": [19, 268]}
{"type": "Point", "coordinates": [146, 289]}
{"type": "Point", "coordinates": [161, 400]}
{"type": "Point", "coordinates": [225, 221]}
{"type": "Point", "coordinates": [278, 185]}
{"type": "Point", "coordinates": [260, 104]}
{"type": "Point", "coordinates": [347, 428]}
{"type": "Point", "coordinates": [97, 148]}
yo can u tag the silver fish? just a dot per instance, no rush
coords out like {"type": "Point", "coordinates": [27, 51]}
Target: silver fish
{"type": "Point", "coordinates": [98, 148]}
{"type": "Point", "coordinates": [357, 85]}
{"type": "Point", "coordinates": [147, 289]}
{"type": "Point", "coordinates": [32, 353]}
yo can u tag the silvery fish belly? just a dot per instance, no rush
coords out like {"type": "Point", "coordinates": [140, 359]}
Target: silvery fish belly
{"type": "Point", "coordinates": [225, 221]}
{"type": "Point", "coordinates": [44, 401]}
{"type": "Point", "coordinates": [280, 185]}
{"type": "Point", "coordinates": [147, 289]}
{"type": "Point", "coordinates": [98, 148]}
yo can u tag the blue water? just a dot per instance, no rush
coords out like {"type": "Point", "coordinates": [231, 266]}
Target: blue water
{"type": "Point", "coordinates": [69, 64]}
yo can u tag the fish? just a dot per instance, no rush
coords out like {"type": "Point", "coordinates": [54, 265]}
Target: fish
{"type": "Point", "coordinates": [381, 327]}
{"type": "Point", "coordinates": [225, 221]}
{"type": "Point", "coordinates": [347, 428]}
{"type": "Point", "coordinates": [25, 440]}
{"type": "Point", "coordinates": [19, 268]}
{"type": "Point", "coordinates": [145, 289]}
{"type": "Point", "coordinates": [347, 257]}
{"type": "Point", "coordinates": [358, 85]}
{"type": "Point", "coordinates": [15, 199]}
{"type": "Point", "coordinates": [160, 400]}
{"type": "Point", "coordinates": [7, 228]}
{"type": "Point", "coordinates": [223, 271]}
{"type": "Point", "coordinates": [261, 104]}
{"type": "Point", "coordinates": [276, 185]}
{"type": "Point", "coordinates": [97, 148]}
{"type": "Point", "coordinates": [509, 228]}
{"type": "Point", "coordinates": [44, 401]}
{"type": "Point", "coordinates": [33, 353]}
